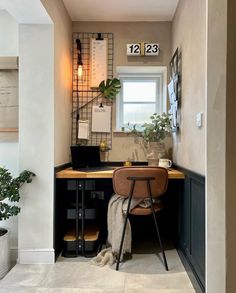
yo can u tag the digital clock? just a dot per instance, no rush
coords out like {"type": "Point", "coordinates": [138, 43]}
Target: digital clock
{"type": "Point", "coordinates": [151, 49]}
{"type": "Point", "coordinates": [134, 49]}
{"type": "Point", "coordinates": [142, 49]}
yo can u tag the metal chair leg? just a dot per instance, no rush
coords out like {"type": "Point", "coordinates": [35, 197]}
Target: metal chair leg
{"type": "Point", "coordinates": [124, 228]}
{"type": "Point", "coordinates": [161, 245]}
{"type": "Point", "coordinates": [157, 229]}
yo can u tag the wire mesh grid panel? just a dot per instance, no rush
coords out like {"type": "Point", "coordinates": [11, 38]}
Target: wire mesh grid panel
{"type": "Point", "coordinates": [85, 97]}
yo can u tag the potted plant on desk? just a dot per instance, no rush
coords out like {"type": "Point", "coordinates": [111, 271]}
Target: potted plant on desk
{"type": "Point", "coordinates": [9, 192]}
{"type": "Point", "coordinates": [153, 134]}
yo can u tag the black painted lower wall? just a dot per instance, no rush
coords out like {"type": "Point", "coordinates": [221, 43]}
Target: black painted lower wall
{"type": "Point", "coordinates": [191, 238]}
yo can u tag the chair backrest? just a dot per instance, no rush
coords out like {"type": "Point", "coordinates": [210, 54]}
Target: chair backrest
{"type": "Point", "coordinates": [122, 185]}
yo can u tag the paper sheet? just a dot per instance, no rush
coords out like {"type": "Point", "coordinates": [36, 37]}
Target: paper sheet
{"type": "Point", "coordinates": [83, 129]}
{"type": "Point", "coordinates": [101, 119]}
{"type": "Point", "coordinates": [98, 61]}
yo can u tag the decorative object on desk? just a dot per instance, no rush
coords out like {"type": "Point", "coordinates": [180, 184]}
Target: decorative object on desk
{"type": "Point", "coordinates": [127, 163]}
{"type": "Point", "coordinates": [9, 189]}
{"type": "Point", "coordinates": [103, 146]}
{"type": "Point", "coordinates": [165, 163]}
{"type": "Point", "coordinates": [153, 133]}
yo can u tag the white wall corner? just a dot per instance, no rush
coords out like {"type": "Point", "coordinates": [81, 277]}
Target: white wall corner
{"type": "Point", "coordinates": [36, 256]}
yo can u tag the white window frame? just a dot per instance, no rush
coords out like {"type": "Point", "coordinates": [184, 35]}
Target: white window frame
{"type": "Point", "coordinates": [135, 73]}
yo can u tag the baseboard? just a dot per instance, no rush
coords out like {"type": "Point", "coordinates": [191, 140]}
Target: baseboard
{"type": "Point", "coordinates": [199, 288]}
{"type": "Point", "coordinates": [36, 256]}
{"type": "Point", "coordinates": [13, 255]}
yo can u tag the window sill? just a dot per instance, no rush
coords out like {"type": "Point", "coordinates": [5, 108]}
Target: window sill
{"type": "Point", "coordinates": [122, 133]}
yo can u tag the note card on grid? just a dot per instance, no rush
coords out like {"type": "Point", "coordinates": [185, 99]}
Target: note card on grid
{"type": "Point", "coordinates": [83, 129]}
{"type": "Point", "coordinates": [98, 61]}
{"type": "Point", "coordinates": [101, 119]}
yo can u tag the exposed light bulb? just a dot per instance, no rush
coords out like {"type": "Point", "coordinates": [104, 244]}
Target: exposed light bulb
{"type": "Point", "coordinates": [80, 70]}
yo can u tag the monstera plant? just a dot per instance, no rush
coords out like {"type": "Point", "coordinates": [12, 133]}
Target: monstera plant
{"type": "Point", "coordinates": [109, 88]}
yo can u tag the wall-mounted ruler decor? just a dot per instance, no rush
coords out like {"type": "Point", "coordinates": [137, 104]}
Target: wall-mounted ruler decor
{"type": "Point", "coordinates": [92, 63]}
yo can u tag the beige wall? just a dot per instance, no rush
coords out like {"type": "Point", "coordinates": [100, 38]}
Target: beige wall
{"type": "Point", "coordinates": [189, 35]}
{"type": "Point", "coordinates": [124, 147]}
{"type": "Point", "coordinates": [231, 150]}
{"type": "Point", "coordinates": [62, 78]}
{"type": "Point", "coordinates": [216, 181]}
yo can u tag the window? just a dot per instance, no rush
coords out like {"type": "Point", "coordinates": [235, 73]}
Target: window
{"type": "Point", "coordinates": [143, 92]}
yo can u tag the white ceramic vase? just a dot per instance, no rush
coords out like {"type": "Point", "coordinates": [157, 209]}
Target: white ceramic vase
{"type": "Point", "coordinates": [4, 255]}
{"type": "Point", "coordinates": [155, 151]}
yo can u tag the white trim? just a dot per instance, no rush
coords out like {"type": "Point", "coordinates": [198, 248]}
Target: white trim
{"type": "Point", "coordinates": [141, 69]}
{"type": "Point", "coordinates": [36, 256]}
{"type": "Point", "coordinates": [13, 254]}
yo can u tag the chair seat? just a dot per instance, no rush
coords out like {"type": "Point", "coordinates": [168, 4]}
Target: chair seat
{"type": "Point", "coordinates": [140, 211]}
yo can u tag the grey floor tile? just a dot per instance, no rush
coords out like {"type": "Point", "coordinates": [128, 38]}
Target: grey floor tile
{"type": "Point", "coordinates": [83, 275]}
{"type": "Point", "coordinates": [26, 275]}
{"type": "Point", "coordinates": [77, 290]}
{"type": "Point", "coordinates": [167, 281]}
{"type": "Point", "coordinates": [56, 290]}
{"type": "Point", "coordinates": [160, 291]}
{"type": "Point", "coordinates": [18, 290]}
{"type": "Point", "coordinates": [144, 272]}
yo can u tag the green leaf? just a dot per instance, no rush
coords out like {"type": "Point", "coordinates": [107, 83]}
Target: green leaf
{"type": "Point", "coordinates": [110, 88]}
{"type": "Point", "coordinates": [9, 189]}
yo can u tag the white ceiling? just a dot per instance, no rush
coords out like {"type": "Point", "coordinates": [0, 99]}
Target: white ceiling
{"type": "Point", "coordinates": [26, 11]}
{"type": "Point", "coordinates": [121, 10]}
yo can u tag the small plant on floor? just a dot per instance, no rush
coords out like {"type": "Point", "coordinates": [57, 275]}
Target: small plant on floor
{"type": "Point", "coordinates": [10, 190]}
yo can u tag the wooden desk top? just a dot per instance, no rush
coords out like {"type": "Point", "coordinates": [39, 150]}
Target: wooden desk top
{"type": "Point", "coordinates": [69, 173]}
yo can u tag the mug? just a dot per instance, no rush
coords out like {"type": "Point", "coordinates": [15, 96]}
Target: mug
{"type": "Point", "coordinates": [165, 163]}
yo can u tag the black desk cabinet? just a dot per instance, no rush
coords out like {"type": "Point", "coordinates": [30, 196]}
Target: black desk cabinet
{"type": "Point", "coordinates": [80, 205]}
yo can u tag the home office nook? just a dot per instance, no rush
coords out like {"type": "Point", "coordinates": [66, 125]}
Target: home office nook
{"type": "Point", "coordinates": [82, 196]}
{"type": "Point", "coordinates": [105, 84]}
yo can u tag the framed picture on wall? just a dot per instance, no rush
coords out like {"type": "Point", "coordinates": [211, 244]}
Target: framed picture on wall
{"type": "Point", "coordinates": [8, 94]}
{"type": "Point", "coordinates": [8, 100]}
{"type": "Point", "coordinates": [174, 90]}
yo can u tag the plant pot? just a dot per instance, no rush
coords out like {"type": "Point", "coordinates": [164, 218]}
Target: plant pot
{"type": "Point", "coordinates": [4, 252]}
{"type": "Point", "coordinates": [155, 151]}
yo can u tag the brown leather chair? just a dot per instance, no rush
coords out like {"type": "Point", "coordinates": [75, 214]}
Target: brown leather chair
{"type": "Point", "coordinates": [141, 182]}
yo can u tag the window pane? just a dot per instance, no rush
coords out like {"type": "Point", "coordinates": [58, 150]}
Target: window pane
{"type": "Point", "coordinates": [138, 113]}
{"type": "Point", "coordinates": [139, 91]}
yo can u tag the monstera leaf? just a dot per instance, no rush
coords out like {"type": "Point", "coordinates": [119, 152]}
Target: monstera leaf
{"type": "Point", "coordinates": [110, 88]}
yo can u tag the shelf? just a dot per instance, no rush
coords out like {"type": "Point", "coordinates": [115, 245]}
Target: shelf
{"type": "Point", "coordinates": [91, 234]}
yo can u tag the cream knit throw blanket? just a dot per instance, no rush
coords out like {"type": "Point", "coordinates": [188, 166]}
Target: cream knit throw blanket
{"type": "Point", "coordinates": [115, 222]}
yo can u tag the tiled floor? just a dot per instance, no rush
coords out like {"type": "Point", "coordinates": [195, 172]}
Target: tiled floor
{"type": "Point", "coordinates": [141, 274]}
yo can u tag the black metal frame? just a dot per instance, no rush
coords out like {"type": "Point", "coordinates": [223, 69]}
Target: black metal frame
{"type": "Point", "coordinates": [147, 179]}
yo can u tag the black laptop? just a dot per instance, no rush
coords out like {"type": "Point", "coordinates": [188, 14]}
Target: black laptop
{"type": "Point", "coordinates": [85, 157]}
